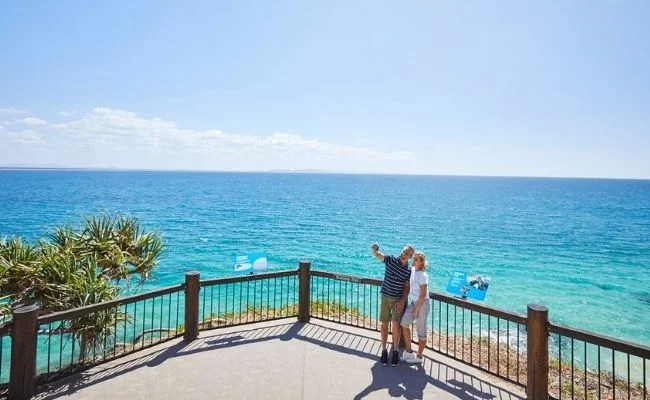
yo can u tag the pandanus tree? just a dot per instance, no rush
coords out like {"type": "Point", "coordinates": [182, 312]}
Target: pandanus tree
{"type": "Point", "coordinates": [71, 268]}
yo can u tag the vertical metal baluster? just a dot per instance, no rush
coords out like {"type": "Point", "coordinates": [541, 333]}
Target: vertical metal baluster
{"type": "Point", "coordinates": [260, 292]}
{"type": "Point", "coordinates": [234, 289]}
{"type": "Point", "coordinates": [455, 335]}
{"type": "Point", "coordinates": [226, 307]}
{"type": "Point", "coordinates": [572, 370]}
{"type": "Point", "coordinates": [599, 371]}
{"type": "Point", "coordinates": [518, 351]}
{"type": "Point", "coordinates": [585, 369]}
{"type": "Point", "coordinates": [248, 286]}
{"type": "Point", "coordinates": [114, 333]}
{"type": "Point", "coordinates": [358, 303]}
{"type": "Point", "coordinates": [645, 386]}
{"type": "Point", "coordinates": [61, 326]}
{"type": "Point", "coordinates": [471, 337]}
{"type": "Point", "coordinates": [559, 355]}
{"type": "Point", "coordinates": [433, 325]}
{"type": "Point", "coordinates": [328, 298]}
{"type": "Point", "coordinates": [377, 306]}
{"type": "Point", "coordinates": [218, 303]}
{"type": "Point", "coordinates": [153, 315]}
{"type": "Point", "coordinates": [498, 346]}
{"type": "Point", "coordinates": [508, 348]}
{"type": "Point", "coordinates": [480, 355]}
{"type": "Point", "coordinates": [135, 317]}
{"type": "Point", "coordinates": [338, 300]}
{"type": "Point", "coordinates": [169, 313]}
{"type": "Point", "coordinates": [628, 376]}
{"type": "Point", "coordinates": [488, 343]}
{"type": "Point", "coordinates": [268, 298]}
{"type": "Point", "coordinates": [447, 327]}
{"type": "Point", "coordinates": [94, 347]}
{"type": "Point", "coordinates": [240, 298]}
{"type": "Point", "coordinates": [343, 287]}
{"type": "Point", "coordinates": [72, 352]}
{"type": "Point", "coordinates": [178, 302]}
{"type": "Point", "coordinates": [49, 347]}
{"type": "Point", "coordinates": [281, 297]}
{"type": "Point", "coordinates": [144, 319]}
{"type": "Point", "coordinates": [211, 303]}
{"type": "Point", "coordinates": [462, 342]}
{"type": "Point", "coordinates": [313, 290]}
{"type": "Point", "coordinates": [160, 322]}
{"type": "Point", "coordinates": [364, 304]}
{"type": "Point", "coordinates": [105, 334]}
{"type": "Point", "coordinates": [320, 297]}
{"type": "Point", "coordinates": [440, 326]}
{"type": "Point", "coordinates": [613, 376]}
{"type": "Point", "coordinates": [274, 295]}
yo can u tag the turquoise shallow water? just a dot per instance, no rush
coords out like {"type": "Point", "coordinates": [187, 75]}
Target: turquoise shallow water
{"type": "Point", "coordinates": [581, 247]}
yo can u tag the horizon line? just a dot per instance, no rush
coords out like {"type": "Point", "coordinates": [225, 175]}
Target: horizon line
{"type": "Point", "coordinates": [304, 171]}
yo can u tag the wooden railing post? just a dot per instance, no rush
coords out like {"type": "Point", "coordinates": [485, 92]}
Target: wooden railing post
{"type": "Point", "coordinates": [537, 351]}
{"type": "Point", "coordinates": [22, 374]}
{"type": "Point", "coordinates": [192, 284]}
{"type": "Point", "coordinates": [304, 282]}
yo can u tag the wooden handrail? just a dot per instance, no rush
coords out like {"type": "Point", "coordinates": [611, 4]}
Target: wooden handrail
{"type": "Point", "coordinates": [246, 278]}
{"type": "Point", "coordinates": [468, 305]}
{"type": "Point", "coordinates": [623, 346]}
{"type": "Point", "coordinates": [85, 310]}
{"type": "Point", "coordinates": [347, 278]}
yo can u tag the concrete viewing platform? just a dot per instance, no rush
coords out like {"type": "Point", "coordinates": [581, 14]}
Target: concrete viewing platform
{"type": "Point", "coordinates": [279, 360]}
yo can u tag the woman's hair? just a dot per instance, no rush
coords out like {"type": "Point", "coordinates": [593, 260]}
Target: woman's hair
{"type": "Point", "coordinates": [420, 255]}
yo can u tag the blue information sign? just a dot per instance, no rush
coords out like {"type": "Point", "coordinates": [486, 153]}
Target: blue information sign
{"type": "Point", "coordinates": [469, 286]}
{"type": "Point", "coordinates": [253, 262]}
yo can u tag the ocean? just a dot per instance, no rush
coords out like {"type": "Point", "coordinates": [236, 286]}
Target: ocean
{"type": "Point", "coordinates": [579, 246]}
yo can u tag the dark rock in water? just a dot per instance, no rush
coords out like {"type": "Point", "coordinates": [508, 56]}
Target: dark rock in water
{"type": "Point", "coordinates": [645, 299]}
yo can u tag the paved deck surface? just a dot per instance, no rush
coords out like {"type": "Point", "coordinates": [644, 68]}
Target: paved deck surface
{"type": "Point", "coordinates": [278, 360]}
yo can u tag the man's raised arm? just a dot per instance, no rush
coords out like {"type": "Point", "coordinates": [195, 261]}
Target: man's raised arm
{"type": "Point", "coordinates": [376, 253]}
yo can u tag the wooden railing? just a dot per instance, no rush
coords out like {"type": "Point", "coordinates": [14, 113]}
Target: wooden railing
{"type": "Point", "coordinates": [509, 345]}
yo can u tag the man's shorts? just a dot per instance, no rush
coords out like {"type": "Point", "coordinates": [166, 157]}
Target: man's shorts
{"type": "Point", "coordinates": [387, 310]}
{"type": "Point", "coordinates": [409, 317]}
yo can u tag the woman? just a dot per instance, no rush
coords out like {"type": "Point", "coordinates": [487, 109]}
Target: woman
{"type": "Point", "coordinates": [417, 309]}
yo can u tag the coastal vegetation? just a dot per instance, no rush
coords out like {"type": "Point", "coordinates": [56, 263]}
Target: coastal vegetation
{"type": "Point", "coordinates": [77, 266]}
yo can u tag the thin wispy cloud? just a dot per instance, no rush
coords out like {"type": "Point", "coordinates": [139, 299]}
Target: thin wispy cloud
{"type": "Point", "coordinates": [32, 121]}
{"type": "Point", "coordinates": [11, 110]}
{"type": "Point", "coordinates": [26, 137]}
{"type": "Point", "coordinates": [128, 140]}
{"type": "Point", "coordinates": [68, 113]}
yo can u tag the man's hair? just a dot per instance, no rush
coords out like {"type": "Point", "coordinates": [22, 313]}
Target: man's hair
{"type": "Point", "coordinates": [408, 247]}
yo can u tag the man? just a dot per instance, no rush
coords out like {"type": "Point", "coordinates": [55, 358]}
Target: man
{"type": "Point", "coordinates": [394, 291]}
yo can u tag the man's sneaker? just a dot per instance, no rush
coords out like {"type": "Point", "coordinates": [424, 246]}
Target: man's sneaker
{"type": "Point", "coordinates": [384, 357]}
{"type": "Point", "coordinates": [414, 359]}
{"type": "Point", "coordinates": [395, 360]}
{"type": "Point", "coordinates": [406, 356]}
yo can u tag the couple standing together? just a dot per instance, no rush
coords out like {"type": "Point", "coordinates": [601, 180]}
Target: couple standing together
{"type": "Point", "coordinates": [403, 285]}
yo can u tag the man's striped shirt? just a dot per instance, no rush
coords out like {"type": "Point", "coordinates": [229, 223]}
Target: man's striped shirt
{"type": "Point", "coordinates": [395, 276]}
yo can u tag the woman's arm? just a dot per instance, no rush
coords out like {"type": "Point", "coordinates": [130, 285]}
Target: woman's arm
{"type": "Point", "coordinates": [424, 295]}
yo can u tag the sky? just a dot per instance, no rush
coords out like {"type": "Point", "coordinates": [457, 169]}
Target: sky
{"type": "Point", "coordinates": [508, 88]}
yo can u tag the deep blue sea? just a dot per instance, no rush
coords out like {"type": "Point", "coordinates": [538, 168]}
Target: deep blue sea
{"type": "Point", "coordinates": [579, 246]}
